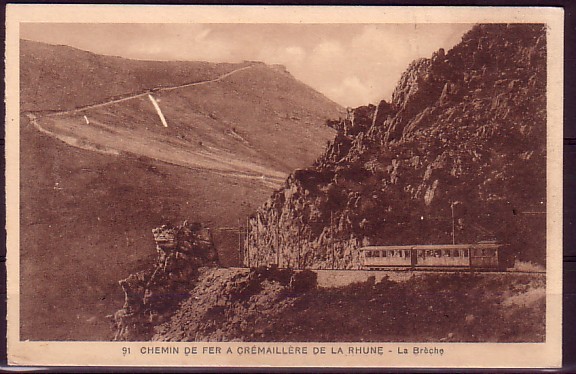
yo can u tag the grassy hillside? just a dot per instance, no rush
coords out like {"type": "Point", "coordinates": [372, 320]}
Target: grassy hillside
{"type": "Point", "coordinates": [259, 121]}
{"type": "Point", "coordinates": [91, 194]}
{"type": "Point", "coordinates": [61, 77]}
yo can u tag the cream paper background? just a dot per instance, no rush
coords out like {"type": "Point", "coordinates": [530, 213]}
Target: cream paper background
{"type": "Point", "coordinates": [546, 354]}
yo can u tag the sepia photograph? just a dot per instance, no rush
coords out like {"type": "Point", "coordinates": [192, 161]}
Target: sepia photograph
{"type": "Point", "coordinates": [317, 189]}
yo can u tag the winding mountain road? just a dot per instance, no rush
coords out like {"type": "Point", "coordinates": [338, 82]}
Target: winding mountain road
{"type": "Point", "coordinates": [142, 94]}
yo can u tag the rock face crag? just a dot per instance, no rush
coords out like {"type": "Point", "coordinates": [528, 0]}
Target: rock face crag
{"type": "Point", "coordinates": [152, 294]}
{"type": "Point", "coordinates": [463, 140]}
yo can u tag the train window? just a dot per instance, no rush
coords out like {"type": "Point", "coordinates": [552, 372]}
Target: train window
{"type": "Point", "coordinates": [455, 253]}
{"type": "Point", "coordinates": [437, 253]}
{"type": "Point", "coordinates": [465, 253]}
{"type": "Point", "coordinates": [406, 253]}
{"type": "Point", "coordinates": [421, 253]}
{"type": "Point", "coordinates": [368, 253]}
{"type": "Point", "coordinates": [446, 252]}
{"type": "Point", "coordinates": [382, 252]}
{"type": "Point", "coordinates": [376, 253]}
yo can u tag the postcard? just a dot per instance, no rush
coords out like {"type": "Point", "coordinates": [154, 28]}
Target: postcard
{"type": "Point", "coordinates": [279, 186]}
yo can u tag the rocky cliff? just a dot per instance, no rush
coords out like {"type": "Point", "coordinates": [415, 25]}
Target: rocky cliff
{"type": "Point", "coordinates": [462, 142]}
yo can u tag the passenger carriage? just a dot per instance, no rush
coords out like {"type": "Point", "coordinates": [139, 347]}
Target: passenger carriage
{"type": "Point", "coordinates": [387, 256]}
{"type": "Point", "coordinates": [483, 255]}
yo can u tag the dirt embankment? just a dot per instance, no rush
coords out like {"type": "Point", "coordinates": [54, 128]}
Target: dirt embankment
{"type": "Point", "coordinates": [269, 304]}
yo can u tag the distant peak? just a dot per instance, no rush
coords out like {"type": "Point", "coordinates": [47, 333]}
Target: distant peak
{"type": "Point", "coordinates": [276, 67]}
{"type": "Point", "coordinates": [279, 67]}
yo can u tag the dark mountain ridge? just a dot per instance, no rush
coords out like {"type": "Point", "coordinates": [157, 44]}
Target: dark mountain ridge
{"type": "Point", "coordinates": [463, 140]}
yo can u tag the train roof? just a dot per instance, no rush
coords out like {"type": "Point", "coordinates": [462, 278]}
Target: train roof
{"type": "Point", "coordinates": [430, 246]}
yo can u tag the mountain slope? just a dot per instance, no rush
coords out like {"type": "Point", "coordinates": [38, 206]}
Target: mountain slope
{"type": "Point", "coordinates": [57, 77]}
{"type": "Point", "coordinates": [464, 135]}
{"type": "Point", "coordinates": [92, 192]}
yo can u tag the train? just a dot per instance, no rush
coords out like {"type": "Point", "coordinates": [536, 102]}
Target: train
{"type": "Point", "coordinates": [478, 256]}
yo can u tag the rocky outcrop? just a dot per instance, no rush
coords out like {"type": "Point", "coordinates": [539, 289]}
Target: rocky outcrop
{"type": "Point", "coordinates": [152, 295]}
{"type": "Point", "coordinates": [463, 139]}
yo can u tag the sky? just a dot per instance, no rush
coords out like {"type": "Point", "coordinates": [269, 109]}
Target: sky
{"type": "Point", "coordinates": [352, 64]}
